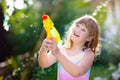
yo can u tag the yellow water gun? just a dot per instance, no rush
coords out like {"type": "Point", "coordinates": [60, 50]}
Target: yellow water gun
{"type": "Point", "coordinates": [50, 28]}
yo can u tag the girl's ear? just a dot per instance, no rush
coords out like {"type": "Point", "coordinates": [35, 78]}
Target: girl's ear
{"type": "Point", "coordinates": [89, 38]}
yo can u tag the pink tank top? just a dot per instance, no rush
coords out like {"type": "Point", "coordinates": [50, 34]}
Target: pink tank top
{"type": "Point", "coordinates": [64, 75]}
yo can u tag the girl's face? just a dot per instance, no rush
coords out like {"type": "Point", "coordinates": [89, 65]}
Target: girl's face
{"type": "Point", "coordinates": [79, 34]}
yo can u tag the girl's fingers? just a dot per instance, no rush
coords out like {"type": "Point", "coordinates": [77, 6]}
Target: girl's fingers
{"type": "Point", "coordinates": [53, 39]}
{"type": "Point", "coordinates": [49, 44]}
{"type": "Point", "coordinates": [50, 41]}
{"type": "Point", "coordinates": [48, 47]}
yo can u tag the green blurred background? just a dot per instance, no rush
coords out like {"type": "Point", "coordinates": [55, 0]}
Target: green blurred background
{"type": "Point", "coordinates": [22, 32]}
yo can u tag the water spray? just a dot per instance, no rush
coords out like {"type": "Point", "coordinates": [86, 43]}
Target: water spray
{"type": "Point", "coordinates": [99, 7]}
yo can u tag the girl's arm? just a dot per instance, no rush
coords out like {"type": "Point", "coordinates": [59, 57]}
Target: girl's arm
{"type": "Point", "coordinates": [73, 69]}
{"type": "Point", "coordinates": [45, 58]}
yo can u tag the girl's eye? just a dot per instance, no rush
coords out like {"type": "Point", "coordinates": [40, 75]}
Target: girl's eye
{"type": "Point", "coordinates": [77, 25]}
{"type": "Point", "coordinates": [83, 30]}
{"type": "Point", "coordinates": [80, 28]}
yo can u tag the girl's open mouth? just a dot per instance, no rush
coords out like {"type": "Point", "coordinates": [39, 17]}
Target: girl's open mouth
{"type": "Point", "coordinates": [76, 35]}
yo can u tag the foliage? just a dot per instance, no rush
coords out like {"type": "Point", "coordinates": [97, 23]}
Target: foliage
{"type": "Point", "coordinates": [26, 30]}
{"type": "Point", "coordinates": [110, 48]}
{"type": "Point", "coordinates": [102, 72]}
{"type": "Point", "coordinates": [26, 24]}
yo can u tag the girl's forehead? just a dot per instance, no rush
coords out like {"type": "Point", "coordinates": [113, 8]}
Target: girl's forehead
{"type": "Point", "coordinates": [80, 24]}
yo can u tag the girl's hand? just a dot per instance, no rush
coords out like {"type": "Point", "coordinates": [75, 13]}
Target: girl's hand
{"type": "Point", "coordinates": [49, 44]}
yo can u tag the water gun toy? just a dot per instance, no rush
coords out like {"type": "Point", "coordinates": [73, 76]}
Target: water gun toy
{"type": "Point", "coordinates": [50, 28]}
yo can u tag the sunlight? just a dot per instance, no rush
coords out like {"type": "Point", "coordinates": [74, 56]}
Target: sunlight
{"type": "Point", "coordinates": [11, 4]}
{"type": "Point", "coordinates": [19, 4]}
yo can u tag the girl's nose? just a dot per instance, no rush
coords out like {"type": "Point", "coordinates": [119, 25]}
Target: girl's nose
{"type": "Point", "coordinates": [78, 30]}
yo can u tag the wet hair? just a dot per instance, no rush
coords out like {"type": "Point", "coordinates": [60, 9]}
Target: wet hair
{"type": "Point", "coordinates": [93, 28]}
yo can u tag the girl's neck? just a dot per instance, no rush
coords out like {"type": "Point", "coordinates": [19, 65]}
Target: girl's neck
{"type": "Point", "coordinates": [77, 47]}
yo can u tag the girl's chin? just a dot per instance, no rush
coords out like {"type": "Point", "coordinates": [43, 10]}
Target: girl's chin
{"type": "Point", "coordinates": [74, 39]}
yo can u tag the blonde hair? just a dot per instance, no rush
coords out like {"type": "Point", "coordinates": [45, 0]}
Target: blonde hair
{"type": "Point", "coordinates": [93, 28]}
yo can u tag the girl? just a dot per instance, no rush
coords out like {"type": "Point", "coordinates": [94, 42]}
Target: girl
{"type": "Point", "coordinates": [76, 56]}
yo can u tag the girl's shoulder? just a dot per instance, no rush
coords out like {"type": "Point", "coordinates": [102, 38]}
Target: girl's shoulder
{"type": "Point", "coordinates": [89, 53]}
